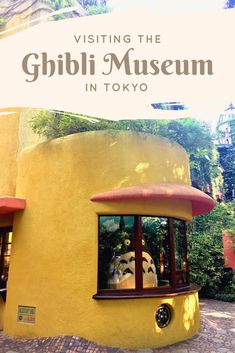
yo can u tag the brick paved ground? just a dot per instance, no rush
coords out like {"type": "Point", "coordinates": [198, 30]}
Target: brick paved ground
{"type": "Point", "coordinates": [217, 336]}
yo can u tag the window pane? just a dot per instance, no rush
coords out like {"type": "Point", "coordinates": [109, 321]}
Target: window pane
{"type": "Point", "coordinates": [116, 252]}
{"type": "Point", "coordinates": [5, 254]}
{"type": "Point", "coordinates": [156, 252]}
{"type": "Point", "coordinates": [180, 244]}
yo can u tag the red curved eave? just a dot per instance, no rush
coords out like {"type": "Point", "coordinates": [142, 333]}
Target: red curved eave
{"type": "Point", "coordinates": [201, 202]}
{"type": "Point", "coordinates": [11, 204]}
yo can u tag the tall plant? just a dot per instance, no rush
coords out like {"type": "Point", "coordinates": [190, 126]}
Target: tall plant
{"type": "Point", "coordinates": [206, 255]}
{"type": "Point", "coordinates": [193, 135]}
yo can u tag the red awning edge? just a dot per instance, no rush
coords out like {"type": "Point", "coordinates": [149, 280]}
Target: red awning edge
{"type": "Point", "coordinates": [201, 202]}
{"type": "Point", "coordinates": [11, 204]}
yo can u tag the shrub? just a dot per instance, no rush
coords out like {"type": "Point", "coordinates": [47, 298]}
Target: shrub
{"type": "Point", "coordinates": [226, 297]}
{"type": "Point", "coordinates": [206, 256]}
{"type": "Point", "coordinates": [228, 294]}
{"type": "Point", "coordinates": [206, 262]}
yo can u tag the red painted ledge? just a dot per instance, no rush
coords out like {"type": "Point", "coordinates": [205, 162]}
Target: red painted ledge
{"type": "Point", "coordinates": [201, 202]}
{"type": "Point", "coordinates": [11, 204]}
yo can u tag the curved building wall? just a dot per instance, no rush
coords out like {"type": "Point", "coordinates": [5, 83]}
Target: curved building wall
{"type": "Point", "coordinates": [55, 249]}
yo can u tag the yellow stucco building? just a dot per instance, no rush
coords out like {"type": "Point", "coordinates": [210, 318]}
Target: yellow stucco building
{"type": "Point", "coordinates": [93, 226]}
{"type": "Point", "coordinates": [99, 240]}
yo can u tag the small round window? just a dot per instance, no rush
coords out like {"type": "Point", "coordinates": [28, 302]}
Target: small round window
{"type": "Point", "coordinates": [163, 316]}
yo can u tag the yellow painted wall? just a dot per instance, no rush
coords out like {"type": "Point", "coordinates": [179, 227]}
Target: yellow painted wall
{"type": "Point", "coordinates": [26, 135]}
{"type": "Point", "coordinates": [15, 131]}
{"type": "Point", "coordinates": [15, 134]}
{"type": "Point", "coordinates": [8, 152]}
{"type": "Point", "coordinates": [54, 259]}
{"type": "Point", "coordinates": [9, 124]}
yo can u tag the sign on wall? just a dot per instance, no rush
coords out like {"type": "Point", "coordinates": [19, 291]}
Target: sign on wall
{"type": "Point", "coordinates": [26, 314]}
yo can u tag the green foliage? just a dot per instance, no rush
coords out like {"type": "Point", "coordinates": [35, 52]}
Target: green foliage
{"type": "Point", "coordinates": [51, 125]}
{"type": "Point", "coordinates": [61, 4]}
{"type": "Point", "coordinates": [222, 217]}
{"type": "Point", "coordinates": [91, 6]}
{"type": "Point", "coordinates": [229, 219]}
{"type": "Point", "coordinates": [193, 135]}
{"type": "Point", "coordinates": [227, 159]}
{"type": "Point", "coordinates": [97, 10]}
{"type": "Point", "coordinates": [58, 4]}
{"type": "Point", "coordinates": [155, 241]}
{"type": "Point", "coordinates": [206, 262]}
{"type": "Point", "coordinates": [206, 251]}
{"type": "Point", "coordinates": [116, 236]}
{"type": "Point", "coordinates": [227, 294]}
{"type": "Point", "coordinates": [226, 297]}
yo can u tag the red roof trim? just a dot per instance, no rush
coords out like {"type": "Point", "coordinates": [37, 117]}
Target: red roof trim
{"type": "Point", "coordinates": [11, 204]}
{"type": "Point", "coordinates": [201, 202]}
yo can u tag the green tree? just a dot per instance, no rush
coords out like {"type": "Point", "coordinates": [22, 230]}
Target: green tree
{"type": "Point", "coordinates": [227, 160]}
{"type": "Point", "coordinates": [193, 135]}
{"type": "Point", "coordinates": [206, 255]}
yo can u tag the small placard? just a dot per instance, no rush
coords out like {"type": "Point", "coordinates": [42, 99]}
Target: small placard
{"type": "Point", "coordinates": [26, 314]}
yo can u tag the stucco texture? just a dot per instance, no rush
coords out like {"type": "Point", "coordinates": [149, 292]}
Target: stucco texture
{"type": "Point", "coordinates": [15, 134]}
{"type": "Point", "coordinates": [54, 259]}
{"type": "Point", "coordinates": [9, 123]}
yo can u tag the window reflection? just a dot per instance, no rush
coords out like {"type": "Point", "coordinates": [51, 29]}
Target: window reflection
{"type": "Point", "coordinates": [5, 254]}
{"type": "Point", "coordinates": [117, 252]}
{"type": "Point", "coordinates": [155, 241]}
{"type": "Point", "coordinates": [180, 245]}
{"type": "Point", "coordinates": [139, 252]}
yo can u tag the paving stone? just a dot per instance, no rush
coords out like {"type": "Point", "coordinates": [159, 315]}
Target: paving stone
{"type": "Point", "coordinates": [217, 340]}
{"type": "Point", "coordinates": [113, 350]}
{"type": "Point", "coordinates": [223, 350]}
{"type": "Point", "coordinates": [221, 331]}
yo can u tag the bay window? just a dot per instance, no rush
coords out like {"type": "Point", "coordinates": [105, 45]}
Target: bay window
{"type": "Point", "coordinates": [141, 255]}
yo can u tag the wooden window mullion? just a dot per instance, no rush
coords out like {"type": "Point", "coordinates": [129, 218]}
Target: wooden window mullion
{"type": "Point", "coordinates": [3, 235]}
{"type": "Point", "coordinates": [186, 250]}
{"type": "Point", "coordinates": [138, 255]}
{"type": "Point", "coordinates": [172, 252]}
